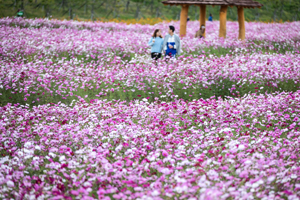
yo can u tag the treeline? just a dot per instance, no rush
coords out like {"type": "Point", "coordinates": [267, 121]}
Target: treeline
{"type": "Point", "coordinates": [275, 10]}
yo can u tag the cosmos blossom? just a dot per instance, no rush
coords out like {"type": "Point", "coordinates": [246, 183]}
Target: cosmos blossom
{"type": "Point", "coordinates": [148, 148]}
{"type": "Point", "coordinates": [131, 150]}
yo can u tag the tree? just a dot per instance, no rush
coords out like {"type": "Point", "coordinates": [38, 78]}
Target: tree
{"type": "Point", "coordinates": [138, 7]}
{"type": "Point", "coordinates": [46, 4]}
{"type": "Point", "coordinates": [127, 5]}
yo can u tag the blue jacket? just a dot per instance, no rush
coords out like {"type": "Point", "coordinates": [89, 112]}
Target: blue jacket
{"type": "Point", "coordinates": [156, 47]}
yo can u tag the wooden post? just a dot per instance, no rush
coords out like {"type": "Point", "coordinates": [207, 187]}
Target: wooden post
{"type": "Point", "coordinates": [223, 12]}
{"type": "Point", "coordinates": [183, 19]}
{"type": "Point", "coordinates": [241, 19]}
{"type": "Point", "coordinates": [202, 16]}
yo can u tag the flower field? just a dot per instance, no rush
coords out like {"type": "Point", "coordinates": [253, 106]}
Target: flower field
{"type": "Point", "coordinates": [86, 114]}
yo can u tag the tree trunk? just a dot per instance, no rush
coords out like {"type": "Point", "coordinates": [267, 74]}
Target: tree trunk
{"type": "Point", "coordinates": [281, 11]}
{"type": "Point", "coordinates": [92, 12]}
{"type": "Point", "coordinates": [137, 12]}
{"type": "Point", "coordinates": [157, 12]}
{"type": "Point", "coordinates": [274, 15]}
{"type": "Point", "coordinates": [152, 6]}
{"type": "Point", "coordinates": [230, 13]}
{"type": "Point", "coordinates": [169, 7]}
{"type": "Point", "coordinates": [63, 3]}
{"type": "Point", "coordinates": [196, 12]}
{"type": "Point", "coordinates": [23, 8]}
{"type": "Point", "coordinates": [127, 5]}
{"type": "Point", "coordinates": [70, 13]}
{"type": "Point", "coordinates": [47, 11]}
{"type": "Point", "coordinates": [257, 16]}
{"type": "Point", "coordinates": [22, 5]}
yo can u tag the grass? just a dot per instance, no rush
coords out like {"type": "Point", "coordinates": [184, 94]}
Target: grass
{"type": "Point", "coordinates": [265, 48]}
{"type": "Point", "coordinates": [221, 88]}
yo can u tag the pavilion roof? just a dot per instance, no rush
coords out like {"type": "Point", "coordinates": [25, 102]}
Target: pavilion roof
{"type": "Point", "coordinates": [244, 3]}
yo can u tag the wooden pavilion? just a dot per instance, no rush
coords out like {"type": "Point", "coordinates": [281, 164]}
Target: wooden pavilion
{"type": "Point", "coordinates": [240, 4]}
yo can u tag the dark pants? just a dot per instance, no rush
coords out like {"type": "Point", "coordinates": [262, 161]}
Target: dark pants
{"type": "Point", "coordinates": [155, 56]}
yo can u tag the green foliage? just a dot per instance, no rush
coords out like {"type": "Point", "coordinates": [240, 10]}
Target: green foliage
{"type": "Point", "coordinates": [220, 88]}
{"type": "Point", "coordinates": [285, 10]}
